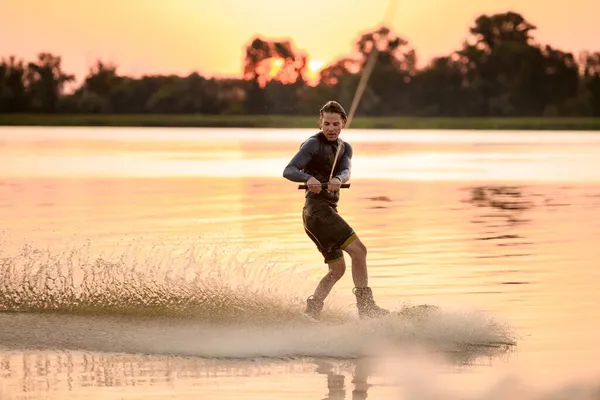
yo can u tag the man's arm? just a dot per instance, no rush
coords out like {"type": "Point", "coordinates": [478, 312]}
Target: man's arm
{"type": "Point", "coordinates": [345, 164]}
{"type": "Point", "coordinates": [307, 151]}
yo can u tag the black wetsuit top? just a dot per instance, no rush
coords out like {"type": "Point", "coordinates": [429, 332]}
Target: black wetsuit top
{"type": "Point", "coordinates": [315, 158]}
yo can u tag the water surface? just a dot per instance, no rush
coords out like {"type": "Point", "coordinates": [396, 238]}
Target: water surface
{"type": "Point", "coordinates": [498, 229]}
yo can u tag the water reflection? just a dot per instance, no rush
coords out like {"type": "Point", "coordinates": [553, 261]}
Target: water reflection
{"type": "Point", "coordinates": [509, 202]}
{"type": "Point", "coordinates": [354, 379]}
{"type": "Point", "coordinates": [66, 374]}
{"type": "Point", "coordinates": [336, 382]}
{"type": "Point", "coordinates": [501, 213]}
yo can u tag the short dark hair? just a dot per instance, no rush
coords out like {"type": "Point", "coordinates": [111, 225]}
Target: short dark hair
{"type": "Point", "coordinates": [333, 107]}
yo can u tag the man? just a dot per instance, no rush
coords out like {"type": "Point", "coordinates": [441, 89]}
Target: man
{"type": "Point", "coordinates": [324, 158]}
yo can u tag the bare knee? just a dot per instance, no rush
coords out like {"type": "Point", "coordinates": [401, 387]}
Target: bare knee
{"type": "Point", "coordinates": [337, 269]}
{"type": "Point", "coordinates": [357, 250]}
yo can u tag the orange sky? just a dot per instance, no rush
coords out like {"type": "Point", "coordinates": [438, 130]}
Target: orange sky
{"type": "Point", "coordinates": [181, 36]}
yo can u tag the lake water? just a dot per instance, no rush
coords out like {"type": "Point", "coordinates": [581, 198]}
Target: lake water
{"type": "Point", "coordinates": [172, 263]}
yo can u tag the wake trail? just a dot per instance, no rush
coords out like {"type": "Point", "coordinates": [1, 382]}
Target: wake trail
{"type": "Point", "coordinates": [463, 335]}
{"type": "Point", "coordinates": [207, 303]}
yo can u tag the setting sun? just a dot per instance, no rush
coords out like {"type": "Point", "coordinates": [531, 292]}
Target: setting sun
{"type": "Point", "coordinates": [315, 65]}
{"type": "Point", "coordinates": [312, 72]}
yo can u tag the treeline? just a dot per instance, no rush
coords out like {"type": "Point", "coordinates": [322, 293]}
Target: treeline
{"type": "Point", "coordinates": [499, 71]}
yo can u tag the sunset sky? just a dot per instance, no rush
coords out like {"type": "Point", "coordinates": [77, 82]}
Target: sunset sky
{"type": "Point", "coordinates": [182, 36]}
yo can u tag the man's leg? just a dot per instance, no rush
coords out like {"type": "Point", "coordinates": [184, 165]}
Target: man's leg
{"type": "Point", "coordinates": [358, 252]}
{"type": "Point", "coordinates": [337, 268]}
{"type": "Point", "coordinates": [321, 224]}
{"type": "Point", "coordinates": [364, 295]}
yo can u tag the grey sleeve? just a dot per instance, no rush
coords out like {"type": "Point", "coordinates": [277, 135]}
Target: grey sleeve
{"type": "Point", "coordinates": [307, 151]}
{"type": "Point", "coordinates": [345, 164]}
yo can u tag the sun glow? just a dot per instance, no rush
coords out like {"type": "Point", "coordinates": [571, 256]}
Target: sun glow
{"type": "Point", "coordinates": [312, 72]}
{"type": "Point", "coordinates": [275, 65]}
{"type": "Point", "coordinates": [315, 65]}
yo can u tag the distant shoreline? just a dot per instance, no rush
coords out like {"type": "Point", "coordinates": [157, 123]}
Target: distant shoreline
{"type": "Point", "coordinates": [283, 122]}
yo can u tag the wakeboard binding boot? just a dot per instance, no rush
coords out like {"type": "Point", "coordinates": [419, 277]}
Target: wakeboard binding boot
{"type": "Point", "coordinates": [313, 307]}
{"type": "Point", "coordinates": [366, 305]}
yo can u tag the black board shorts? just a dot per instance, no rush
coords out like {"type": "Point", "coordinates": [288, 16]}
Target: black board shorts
{"type": "Point", "coordinates": [327, 229]}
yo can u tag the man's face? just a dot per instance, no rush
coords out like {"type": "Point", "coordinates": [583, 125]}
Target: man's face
{"type": "Point", "coordinates": [331, 125]}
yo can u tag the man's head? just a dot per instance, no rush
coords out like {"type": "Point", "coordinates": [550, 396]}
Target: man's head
{"type": "Point", "coordinates": [332, 119]}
